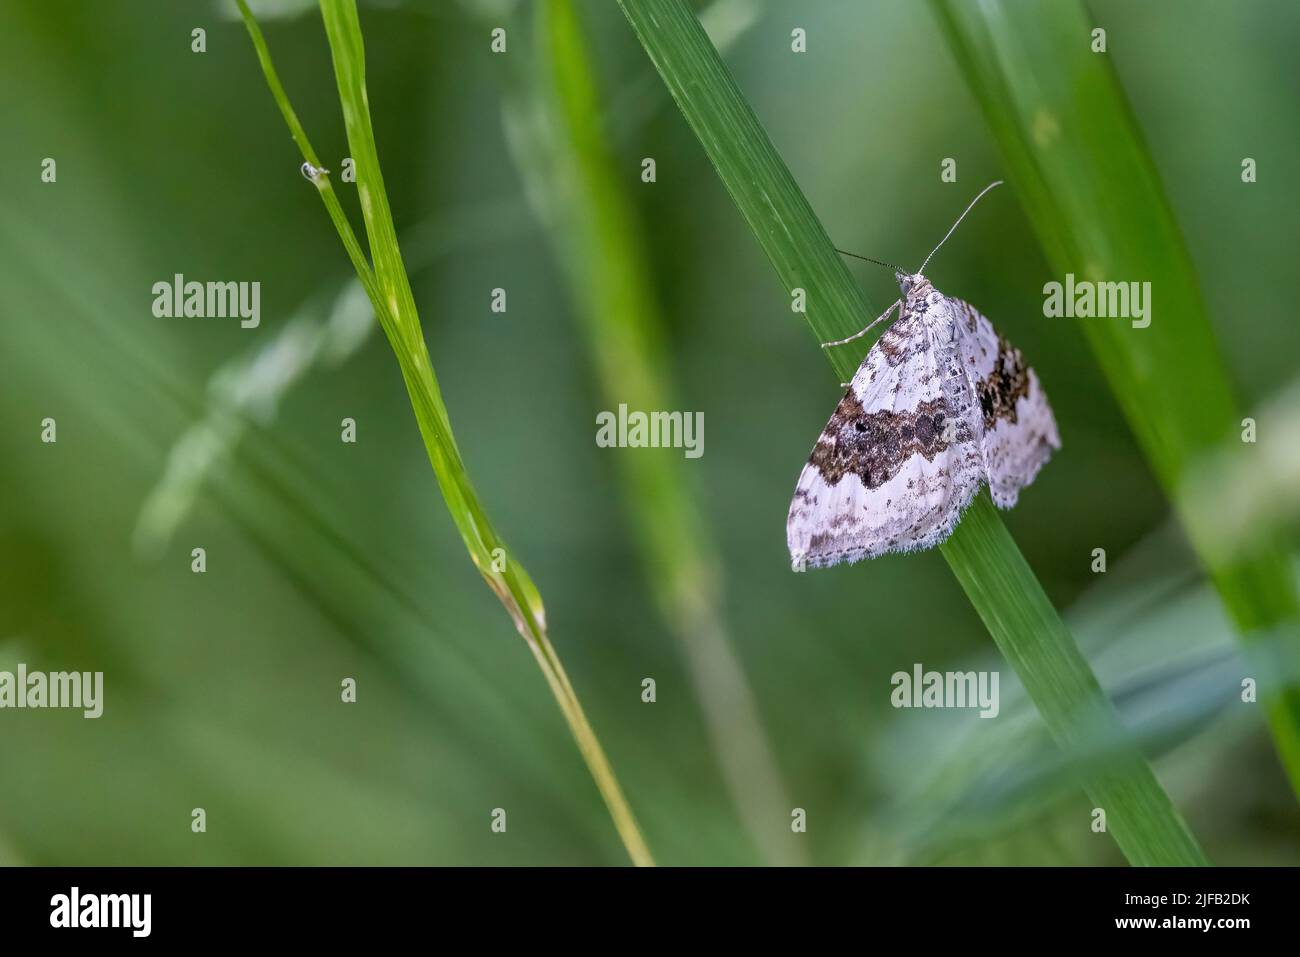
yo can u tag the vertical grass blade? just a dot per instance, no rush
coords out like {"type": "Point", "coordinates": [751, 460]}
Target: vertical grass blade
{"type": "Point", "coordinates": [389, 290]}
{"type": "Point", "coordinates": [998, 581]}
{"type": "Point", "coordinates": [1090, 186]}
{"type": "Point", "coordinates": [593, 223]}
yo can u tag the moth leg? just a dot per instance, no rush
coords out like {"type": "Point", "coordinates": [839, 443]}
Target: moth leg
{"type": "Point", "coordinates": [868, 328]}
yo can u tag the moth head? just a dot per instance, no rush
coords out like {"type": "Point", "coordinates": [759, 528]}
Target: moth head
{"type": "Point", "coordinates": [907, 282]}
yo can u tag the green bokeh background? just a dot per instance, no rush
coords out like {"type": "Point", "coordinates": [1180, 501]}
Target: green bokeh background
{"type": "Point", "coordinates": [328, 560]}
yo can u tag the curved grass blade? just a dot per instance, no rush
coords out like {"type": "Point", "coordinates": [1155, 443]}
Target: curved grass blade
{"type": "Point", "coordinates": [981, 552]}
{"type": "Point", "coordinates": [390, 293]}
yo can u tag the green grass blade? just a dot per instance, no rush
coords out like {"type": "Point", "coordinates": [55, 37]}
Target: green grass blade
{"type": "Point", "coordinates": [593, 222]}
{"type": "Point", "coordinates": [1033, 638]}
{"type": "Point", "coordinates": [1009, 599]}
{"type": "Point", "coordinates": [390, 293]}
{"type": "Point", "coordinates": [1092, 191]}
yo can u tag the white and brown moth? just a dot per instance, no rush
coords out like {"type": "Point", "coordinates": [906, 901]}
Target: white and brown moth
{"type": "Point", "coordinates": [941, 405]}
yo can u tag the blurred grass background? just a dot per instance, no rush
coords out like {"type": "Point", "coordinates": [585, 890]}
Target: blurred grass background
{"type": "Point", "coordinates": [328, 560]}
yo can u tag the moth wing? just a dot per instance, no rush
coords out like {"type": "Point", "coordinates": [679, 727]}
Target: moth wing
{"type": "Point", "coordinates": [1019, 428]}
{"type": "Point", "coordinates": [888, 473]}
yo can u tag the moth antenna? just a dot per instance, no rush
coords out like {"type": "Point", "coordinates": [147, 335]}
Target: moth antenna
{"type": "Point", "coordinates": [958, 223]}
{"type": "Point", "coordinates": [845, 252]}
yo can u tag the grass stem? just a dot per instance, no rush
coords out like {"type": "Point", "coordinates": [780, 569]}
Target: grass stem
{"type": "Point", "coordinates": [388, 287]}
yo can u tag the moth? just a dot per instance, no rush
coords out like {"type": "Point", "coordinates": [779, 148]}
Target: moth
{"type": "Point", "coordinates": [941, 406]}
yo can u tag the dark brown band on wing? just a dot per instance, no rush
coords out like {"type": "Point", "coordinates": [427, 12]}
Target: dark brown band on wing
{"type": "Point", "coordinates": [874, 446]}
{"type": "Point", "coordinates": [1008, 381]}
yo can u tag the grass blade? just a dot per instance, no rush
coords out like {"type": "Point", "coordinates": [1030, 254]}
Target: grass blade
{"type": "Point", "coordinates": [998, 581]}
{"type": "Point", "coordinates": [571, 173]}
{"type": "Point", "coordinates": [1092, 191]}
{"type": "Point", "coordinates": [389, 290]}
